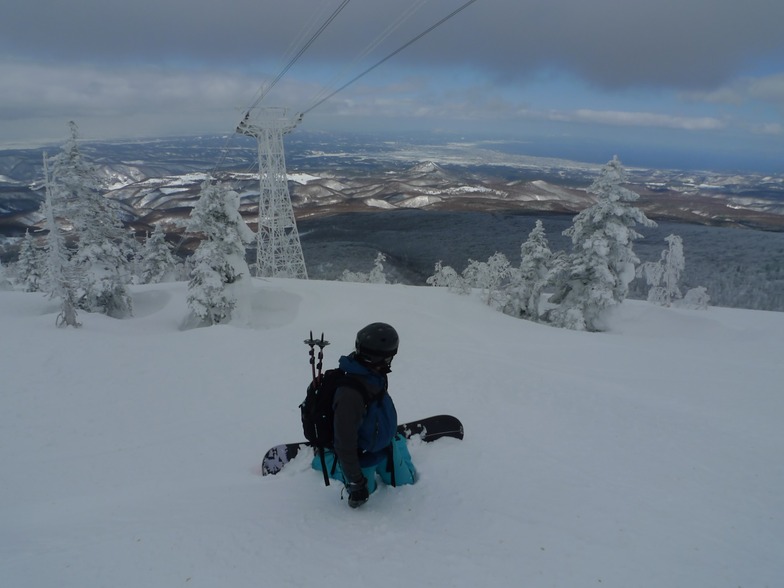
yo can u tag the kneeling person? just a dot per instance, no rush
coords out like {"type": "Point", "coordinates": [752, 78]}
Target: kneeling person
{"type": "Point", "coordinates": [366, 443]}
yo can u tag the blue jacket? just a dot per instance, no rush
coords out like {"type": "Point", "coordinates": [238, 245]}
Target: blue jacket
{"type": "Point", "coordinates": [363, 431]}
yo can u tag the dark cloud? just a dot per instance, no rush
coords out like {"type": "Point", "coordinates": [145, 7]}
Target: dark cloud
{"type": "Point", "coordinates": [612, 43]}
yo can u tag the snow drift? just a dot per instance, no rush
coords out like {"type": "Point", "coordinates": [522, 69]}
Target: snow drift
{"type": "Point", "coordinates": [648, 456]}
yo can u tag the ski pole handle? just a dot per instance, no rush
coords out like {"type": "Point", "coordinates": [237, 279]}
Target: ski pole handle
{"type": "Point", "coordinates": [312, 344]}
{"type": "Point", "coordinates": [322, 343]}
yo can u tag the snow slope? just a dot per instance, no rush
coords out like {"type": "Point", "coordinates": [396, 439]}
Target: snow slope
{"type": "Point", "coordinates": [648, 456]}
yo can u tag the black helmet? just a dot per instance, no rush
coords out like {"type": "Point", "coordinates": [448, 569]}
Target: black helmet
{"type": "Point", "coordinates": [376, 343]}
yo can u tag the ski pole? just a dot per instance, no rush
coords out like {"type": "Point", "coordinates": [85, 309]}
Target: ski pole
{"type": "Point", "coordinates": [321, 345]}
{"type": "Point", "coordinates": [312, 344]}
{"type": "Point", "coordinates": [316, 373]}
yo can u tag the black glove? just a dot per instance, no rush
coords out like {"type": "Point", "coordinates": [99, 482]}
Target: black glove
{"type": "Point", "coordinates": [357, 493]}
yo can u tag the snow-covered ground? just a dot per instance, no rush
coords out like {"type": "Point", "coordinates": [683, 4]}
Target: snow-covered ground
{"type": "Point", "coordinates": [647, 456]}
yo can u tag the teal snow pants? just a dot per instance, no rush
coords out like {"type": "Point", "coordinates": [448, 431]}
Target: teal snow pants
{"type": "Point", "coordinates": [405, 472]}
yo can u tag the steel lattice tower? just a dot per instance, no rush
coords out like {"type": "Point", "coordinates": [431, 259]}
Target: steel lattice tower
{"type": "Point", "coordinates": [278, 249]}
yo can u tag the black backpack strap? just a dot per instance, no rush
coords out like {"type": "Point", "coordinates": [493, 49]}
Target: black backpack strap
{"type": "Point", "coordinates": [324, 465]}
{"type": "Point", "coordinates": [332, 470]}
{"type": "Point", "coordinates": [391, 463]}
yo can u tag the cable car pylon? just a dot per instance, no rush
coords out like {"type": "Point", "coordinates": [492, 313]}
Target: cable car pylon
{"type": "Point", "coordinates": [278, 248]}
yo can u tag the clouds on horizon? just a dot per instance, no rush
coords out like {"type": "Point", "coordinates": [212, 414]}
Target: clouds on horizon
{"type": "Point", "coordinates": [146, 102]}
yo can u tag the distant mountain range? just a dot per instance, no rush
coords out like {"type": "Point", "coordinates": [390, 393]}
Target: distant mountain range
{"type": "Point", "coordinates": [159, 181]}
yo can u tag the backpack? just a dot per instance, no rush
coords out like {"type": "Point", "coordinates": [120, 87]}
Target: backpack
{"type": "Point", "coordinates": [317, 410]}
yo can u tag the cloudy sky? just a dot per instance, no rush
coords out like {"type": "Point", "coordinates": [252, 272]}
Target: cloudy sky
{"type": "Point", "coordinates": [691, 81]}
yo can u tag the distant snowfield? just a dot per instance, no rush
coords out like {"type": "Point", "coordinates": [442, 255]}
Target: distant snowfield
{"type": "Point", "coordinates": [302, 178]}
{"type": "Point", "coordinates": [647, 456]}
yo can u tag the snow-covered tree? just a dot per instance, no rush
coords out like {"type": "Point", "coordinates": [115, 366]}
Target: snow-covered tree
{"type": "Point", "coordinates": [695, 298]}
{"type": "Point", "coordinates": [603, 262]}
{"type": "Point", "coordinates": [664, 275]}
{"type": "Point", "coordinates": [220, 272]}
{"type": "Point", "coordinates": [102, 252]}
{"type": "Point", "coordinates": [445, 276]}
{"type": "Point", "coordinates": [527, 285]}
{"type": "Point", "coordinates": [5, 282]}
{"type": "Point", "coordinates": [60, 273]}
{"type": "Point", "coordinates": [376, 275]}
{"type": "Point", "coordinates": [106, 275]}
{"type": "Point", "coordinates": [74, 183]}
{"type": "Point", "coordinates": [157, 263]}
{"type": "Point", "coordinates": [490, 276]}
{"type": "Point", "coordinates": [30, 265]}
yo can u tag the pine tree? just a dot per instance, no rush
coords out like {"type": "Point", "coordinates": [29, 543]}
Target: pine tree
{"type": "Point", "coordinates": [664, 276]}
{"type": "Point", "coordinates": [445, 276]}
{"type": "Point", "coordinates": [490, 276]}
{"type": "Point", "coordinates": [5, 282]}
{"type": "Point", "coordinates": [695, 299]}
{"type": "Point", "coordinates": [603, 262]}
{"type": "Point", "coordinates": [526, 288]}
{"type": "Point", "coordinates": [74, 183]}
{"type": "Point", "coordinates": [157, 262]}
{"type": "Point", "coordinates": [30, 265]}
{"type": "Point", "coordinates": [219, 267]}
{"type": "Point", "coordinates": [60, 274]}
{"type": "Point", "coordinates": [102, 252]}
{"type": "Point", "coordinates": [376, 275]}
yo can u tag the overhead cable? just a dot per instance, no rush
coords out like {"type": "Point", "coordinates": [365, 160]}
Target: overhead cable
{"type": "Point", "coordinates": [265, 89]}
{"type": "Point", "coordinates": [391, 55]}
{"type": "Point", "coordinates": [300, 53]}
{"type": "Point", "coordinates": [305, 33]}
{"type": "Point", "coordinates": [408, 13]}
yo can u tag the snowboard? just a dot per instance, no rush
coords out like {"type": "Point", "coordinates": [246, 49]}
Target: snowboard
{"type": "Point", "coordinates": [428, 430]}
